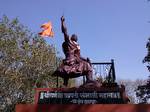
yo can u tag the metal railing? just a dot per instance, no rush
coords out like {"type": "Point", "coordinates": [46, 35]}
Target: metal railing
{"type": "Point", "coordinates": [105, 71]}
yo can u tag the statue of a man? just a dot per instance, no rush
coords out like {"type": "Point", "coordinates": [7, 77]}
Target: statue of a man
{"type": "Point", "coordinates": [73, 65]}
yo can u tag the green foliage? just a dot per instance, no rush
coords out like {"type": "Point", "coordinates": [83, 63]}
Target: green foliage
{"type": "Point", "coordinates": [26, 62]}
{"type": "Point", "coordinates": [143, 91]}
{"type": "Point", "coordinates": [131, 88]}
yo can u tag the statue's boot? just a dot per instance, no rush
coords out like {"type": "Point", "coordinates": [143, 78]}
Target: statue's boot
{"type": "Point", "coordinates": [89, 78]}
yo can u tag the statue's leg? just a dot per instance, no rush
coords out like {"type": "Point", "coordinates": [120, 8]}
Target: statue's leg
{"type": "Point", "coordinates": [89, 77]}
{"type": "Point", "coordinates": [66, 81]}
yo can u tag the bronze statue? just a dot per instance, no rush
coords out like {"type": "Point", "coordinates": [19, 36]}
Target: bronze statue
{"type": "Point", "coordinates": [73, 65]}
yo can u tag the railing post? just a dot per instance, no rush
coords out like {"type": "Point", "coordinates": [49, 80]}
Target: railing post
{"type": "Point", "coordinates": [113, 71]}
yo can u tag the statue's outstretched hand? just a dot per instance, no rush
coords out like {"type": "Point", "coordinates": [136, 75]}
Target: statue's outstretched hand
{"type": "Point", "coordinates": [62, 19]}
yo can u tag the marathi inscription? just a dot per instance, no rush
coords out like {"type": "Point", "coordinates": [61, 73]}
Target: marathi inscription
{"type": "Point", "coordinates": [77, 97]}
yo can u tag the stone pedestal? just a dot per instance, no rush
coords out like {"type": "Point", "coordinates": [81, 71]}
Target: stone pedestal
{"type": "Point", "coordinates": [89, 93]}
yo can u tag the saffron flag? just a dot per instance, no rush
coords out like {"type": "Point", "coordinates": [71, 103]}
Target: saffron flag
{"type": "Point", "coordinates": [47, 30]}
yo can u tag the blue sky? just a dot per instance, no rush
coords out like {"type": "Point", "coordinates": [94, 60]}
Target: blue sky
{"type": "Point", "coordinates": [106, 29]}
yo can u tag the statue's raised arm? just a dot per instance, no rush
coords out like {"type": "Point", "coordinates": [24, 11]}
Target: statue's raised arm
{"type": "Point", "coordinates": [64, 29]}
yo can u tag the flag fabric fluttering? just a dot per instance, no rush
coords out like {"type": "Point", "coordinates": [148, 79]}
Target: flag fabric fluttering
{"type": "Point", "coordinates": [47, 30]}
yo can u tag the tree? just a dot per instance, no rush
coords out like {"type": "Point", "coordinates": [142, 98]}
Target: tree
{"type": "Point", "coordinates": [143, 91]}
{"type": "Point", "coordinates": [131, 86]}
{"type": "Point", "coordinates": [26, 62]}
